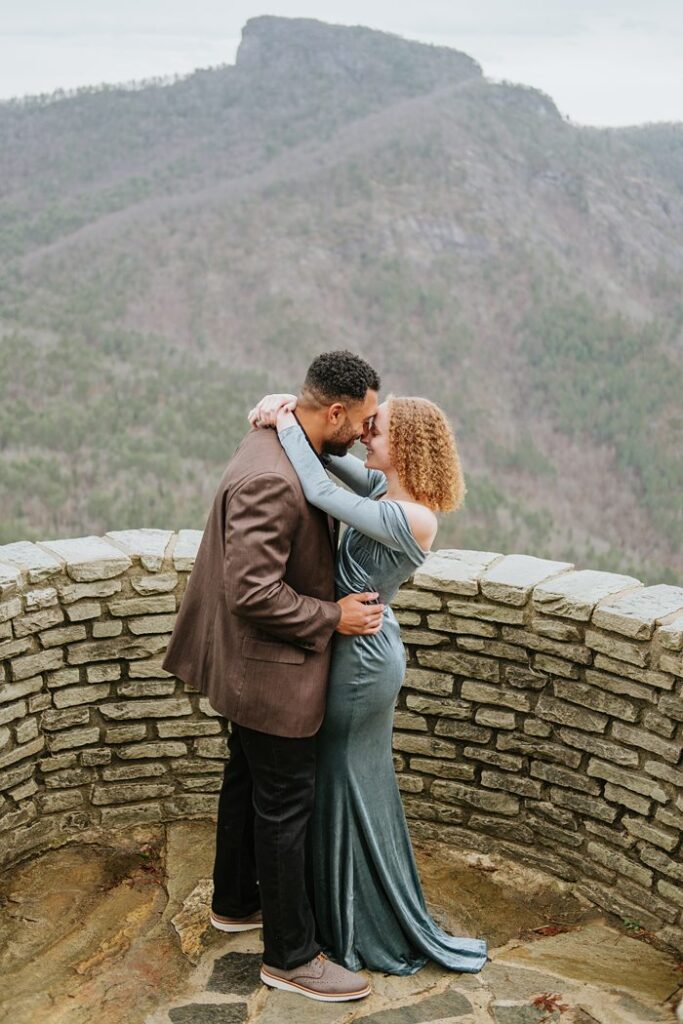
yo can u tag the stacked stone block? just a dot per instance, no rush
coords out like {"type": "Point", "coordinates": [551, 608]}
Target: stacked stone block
{"type": "Point", "coordinates": [541, 716]}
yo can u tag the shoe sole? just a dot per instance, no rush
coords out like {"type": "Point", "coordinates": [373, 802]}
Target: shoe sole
{"type": "Point", "coordinates": [222, 927]}
{"type": "Point", "coordinates": [322, 997]}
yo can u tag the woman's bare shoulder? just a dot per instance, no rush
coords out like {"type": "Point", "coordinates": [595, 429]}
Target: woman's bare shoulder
{"type": "Point", "coordinates": [422, 522]}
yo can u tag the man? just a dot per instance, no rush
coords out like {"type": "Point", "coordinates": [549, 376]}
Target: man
{"type": "Point", "coordinates": [253, 633]}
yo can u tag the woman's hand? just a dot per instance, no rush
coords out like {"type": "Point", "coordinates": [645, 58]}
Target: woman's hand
{"type": "Point", "coordinates": [265, 413]}
{"type": "Point", "coordinates": [285, 416]}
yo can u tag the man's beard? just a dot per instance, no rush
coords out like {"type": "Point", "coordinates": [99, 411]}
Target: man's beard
{"type": "Point", "coordinates": [341, 443]}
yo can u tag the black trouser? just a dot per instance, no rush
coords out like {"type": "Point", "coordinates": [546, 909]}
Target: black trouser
{"type": "Point", "coordinates": [265, 802]}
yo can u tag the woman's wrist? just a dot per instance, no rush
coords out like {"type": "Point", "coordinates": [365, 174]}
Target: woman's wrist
{"type": "Point", "coordinates": [285, 419]}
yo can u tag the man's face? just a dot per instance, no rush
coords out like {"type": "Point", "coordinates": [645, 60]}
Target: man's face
{"type": "Point", "coordinates": [346, 424]}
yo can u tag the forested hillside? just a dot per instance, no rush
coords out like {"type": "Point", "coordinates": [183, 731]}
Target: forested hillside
{"type": "Point", "coordinates": [168, 253]}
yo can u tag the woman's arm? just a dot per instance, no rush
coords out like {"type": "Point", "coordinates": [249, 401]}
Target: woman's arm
{"type": "Point", "coordinates": [353, 473]}
{"type": "Point", "coordinates": [376, 519]}
{"type": "Point", "coordinates": [346, 468]}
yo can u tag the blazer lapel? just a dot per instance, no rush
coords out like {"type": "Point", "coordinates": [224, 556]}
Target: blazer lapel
{"type": "Point", "coordinates": [332, 523]}
{"type": "Point", "coordinates": [333, 528]}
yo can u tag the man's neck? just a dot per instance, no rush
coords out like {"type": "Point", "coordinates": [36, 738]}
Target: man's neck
{"type": "Point", "coordinates": [311, 427]}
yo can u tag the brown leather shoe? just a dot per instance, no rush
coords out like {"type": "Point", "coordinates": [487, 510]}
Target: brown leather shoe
{"type": "Point", "coordinates": [320, 979]}
{"type": "Point", "coordinates": [236, 924]}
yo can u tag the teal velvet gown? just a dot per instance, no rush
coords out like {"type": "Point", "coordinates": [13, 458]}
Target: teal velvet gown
{"type": "Point", "coordinates": [369, 905]}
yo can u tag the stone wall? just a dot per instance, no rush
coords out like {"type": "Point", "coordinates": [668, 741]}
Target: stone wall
{"type": "Point", "coordinates": [541, 718]}
{"type": "Point", "coordinates": [93, 733]}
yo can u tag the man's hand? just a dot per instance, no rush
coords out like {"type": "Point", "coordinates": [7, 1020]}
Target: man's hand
{"type": "Point", "coordinates": [264, 414]}
{"type": "Point", "coordinates": [358, 617]}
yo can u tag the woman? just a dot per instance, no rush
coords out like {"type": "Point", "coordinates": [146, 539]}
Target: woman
{"type": "Point", "coordinates": [369, 904]}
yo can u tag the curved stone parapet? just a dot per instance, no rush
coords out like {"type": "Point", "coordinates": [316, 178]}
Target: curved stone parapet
{"type": "Point", "coordinates": [93, 732]}
{"type": "Point", "coordinates": [541, 717]}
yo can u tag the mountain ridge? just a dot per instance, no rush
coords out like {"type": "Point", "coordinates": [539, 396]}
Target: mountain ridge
{"type": "Point", "coordinates": [462, 234]}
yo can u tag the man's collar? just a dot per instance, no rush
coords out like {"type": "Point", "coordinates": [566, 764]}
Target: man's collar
{"type": "Point", "coordinates": [323, 458]}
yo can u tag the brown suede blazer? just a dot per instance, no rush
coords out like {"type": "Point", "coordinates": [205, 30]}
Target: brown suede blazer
{"type": "Point", "coordinates": [254, 625]}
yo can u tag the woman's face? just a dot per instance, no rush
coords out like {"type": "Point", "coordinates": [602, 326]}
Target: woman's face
{"type": "Point", "coordinates": [376, 440]}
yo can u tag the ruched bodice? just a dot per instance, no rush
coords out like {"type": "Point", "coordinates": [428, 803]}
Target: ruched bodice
{"type": "Point", "coordinates": [365, 564]}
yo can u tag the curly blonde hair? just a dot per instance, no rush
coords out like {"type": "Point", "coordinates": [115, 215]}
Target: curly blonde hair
{"type": "Point", "coordinates": [424, 453]}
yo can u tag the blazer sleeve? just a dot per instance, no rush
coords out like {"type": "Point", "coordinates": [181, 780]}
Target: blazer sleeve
{"type": "Point", "coordinates": [261, 521]}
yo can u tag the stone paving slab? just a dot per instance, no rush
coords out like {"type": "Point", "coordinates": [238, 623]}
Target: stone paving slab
{"type": "Point", "coordinates": [390, 986]}
{"type": "Point", "coordinates": [450, 1004]}
{"type": "Point", "coordinates": [236, 974]}
{"type": "Point", "coordinates": [601, 956]}
{"type": "Point", "coordinates": [190, 921]}
{"type": "Point", "coordinates": [641, 1011]}
{"type": "Point", "coordinates": [285, 1006]}
{"type": "Point", "coordinates": [524, 1015]}
{"type": "Point", "coordinates": [209, 1013]}
{"type": "Point", "coordinates": [507, 981]}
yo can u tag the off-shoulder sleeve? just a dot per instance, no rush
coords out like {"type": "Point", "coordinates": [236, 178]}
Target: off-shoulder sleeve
{"type": "Point", "coordinates": [353, 473]}
{"type": "Point", "coordinates": [384, 521]}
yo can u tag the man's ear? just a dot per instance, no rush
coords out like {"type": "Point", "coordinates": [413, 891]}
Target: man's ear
{"type": "Point", "coordinates": [335, 412]}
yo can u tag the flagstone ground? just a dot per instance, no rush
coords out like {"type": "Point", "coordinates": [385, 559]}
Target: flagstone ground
{"type": "Point", "coordinates": [116, 931]}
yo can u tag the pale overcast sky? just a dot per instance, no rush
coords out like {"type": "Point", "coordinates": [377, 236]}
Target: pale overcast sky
{"type": "Point", "coordinates": [604, 62]}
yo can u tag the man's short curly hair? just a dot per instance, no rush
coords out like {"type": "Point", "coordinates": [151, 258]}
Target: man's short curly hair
{"type": "Point", "coordinates": [339, 376]}
{"type": "Point", "coordinates": [424, 453]}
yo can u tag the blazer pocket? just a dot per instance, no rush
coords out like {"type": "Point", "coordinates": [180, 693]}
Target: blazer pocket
{"type": "Point", "coordinates": [264, 650]}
